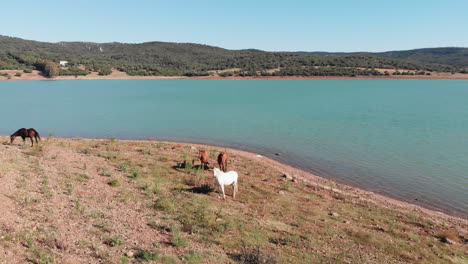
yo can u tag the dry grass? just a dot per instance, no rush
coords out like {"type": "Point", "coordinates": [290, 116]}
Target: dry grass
{"type": "Point", "coordinates": [116, 201]}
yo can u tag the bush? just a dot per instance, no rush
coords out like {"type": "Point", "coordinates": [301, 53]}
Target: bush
{"type": "Point", "coordinates": [226, 74]}
{"type": "Point", "coordinates": [73, 71]}
{"type": "Point", "coordinates": [106, 71]}
{"type": "Point", "coordinates": [194, 74]}
{"type": "Point", "coordinates": [27, 71]}
{"type": "Point", "coordinates": [135, 173]}
{"type": "Point", "coordinates": [18, 74]}
{"type": "Point", "coordinates": [113, 241]}
{"type": "Point", "coordinates": [177, 240]}
{"type": "Point", "coordinates": [146, 255]}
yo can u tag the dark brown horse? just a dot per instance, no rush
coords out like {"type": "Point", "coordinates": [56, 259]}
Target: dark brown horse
{"type": "Point", "coordinates": [222, 161]}
{"type": "Point", "coordinates": [24, 133]}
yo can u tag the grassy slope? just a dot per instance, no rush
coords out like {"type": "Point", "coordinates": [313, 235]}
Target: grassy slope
{"type": "Point", "coordinates": [95, 201]}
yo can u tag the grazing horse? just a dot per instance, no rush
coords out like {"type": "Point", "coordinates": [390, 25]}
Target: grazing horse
{"type": "Point", "coordinates": [226, 178]}
{"type": "Point", "coordinates": [204, 157]}
{"type": "Point", "coordinates": [24, 133]}
{"type": "Point", "coordinates": [222, 161]}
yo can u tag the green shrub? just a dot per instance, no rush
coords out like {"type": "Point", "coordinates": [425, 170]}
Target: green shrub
{"type": "Point", "coordinates": [106, 71]}
{"type": "Point", "coordinates": [135, 173]}
{"type": "Point", "coordinates": [124, 167]}
{"type": "Point", "coordinates": [177, 240]}
{"type": "Point", "coordinates": [113, 241]}
{"type": "Point", "coordinates": [146, 255]}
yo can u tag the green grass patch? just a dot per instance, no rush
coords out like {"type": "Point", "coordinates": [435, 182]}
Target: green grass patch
{"type": "Point", "coordinates": [165, 204]}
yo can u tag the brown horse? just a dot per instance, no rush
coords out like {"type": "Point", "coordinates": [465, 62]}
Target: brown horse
{"type": "Point", "coordinates": [24, 133]}
{"type": "Point", "coordinates": [222, 161]}
{"type": "Point", "coordinates": [204, 158]}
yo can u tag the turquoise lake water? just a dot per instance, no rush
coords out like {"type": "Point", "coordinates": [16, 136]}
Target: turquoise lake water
{"type": "Point", "coordinates": [407, 139]}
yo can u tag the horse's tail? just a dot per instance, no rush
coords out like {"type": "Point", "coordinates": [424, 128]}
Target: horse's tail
{"type": "Point", "coordinates": [37, 135]}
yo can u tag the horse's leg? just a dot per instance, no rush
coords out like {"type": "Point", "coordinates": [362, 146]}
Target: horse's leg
{"type": "Point", "coordinates": [219, 191]}
{"type": "Point", "coordinates": [36, 138]}
{"type": "Point", "coordinates": [32, 141]}
{"type": "Point", "coordinates": [234, 191]}
{"type": "Point", "coordinates": [224, 195]}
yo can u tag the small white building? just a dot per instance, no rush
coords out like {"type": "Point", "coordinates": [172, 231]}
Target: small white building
{"type": "Point", "coordinates": [63, 63]}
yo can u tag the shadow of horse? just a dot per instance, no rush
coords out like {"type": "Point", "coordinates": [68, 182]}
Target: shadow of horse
{"type": "Point", "coordinates": [204, 189]}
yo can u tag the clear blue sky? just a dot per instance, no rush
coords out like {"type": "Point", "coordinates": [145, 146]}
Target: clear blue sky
{"type": "Point", "coordinates": [327, 25]}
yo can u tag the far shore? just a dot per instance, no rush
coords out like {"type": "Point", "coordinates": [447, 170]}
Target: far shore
{"type": "Point", "coordinates": [118, 75]}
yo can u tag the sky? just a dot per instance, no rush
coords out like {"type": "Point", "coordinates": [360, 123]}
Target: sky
{"type": "Point", "coordinates": [327, 25]}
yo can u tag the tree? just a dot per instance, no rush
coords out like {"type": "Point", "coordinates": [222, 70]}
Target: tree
{"type": "Point", "coordinates": [51, 69]}
{"type": "Point", "coordinates": [48, 67]}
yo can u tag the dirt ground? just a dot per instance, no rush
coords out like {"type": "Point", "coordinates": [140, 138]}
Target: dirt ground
{"type": "Point", "coordinates": [121, 201]}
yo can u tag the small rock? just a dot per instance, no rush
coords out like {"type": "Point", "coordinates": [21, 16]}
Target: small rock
{"type": "Point", "coordinates": [278, 154]}
{"type": "Point", "coordinates": [130, 254]}
{"type": "Point", "coordinates": [281, 192]}
{"type": "Point", "coordinates": [333, 214]}
{"type": "Point", "coordinates": [193, 148]}
{"type": "Point", "coordinates": [287, 176]}
{"type": "Point", "coordinates": [347, 222]}
{"type": "Point", "coordinates": [448, 241]}
{"type": "Point", "coordinates": [294, 180]}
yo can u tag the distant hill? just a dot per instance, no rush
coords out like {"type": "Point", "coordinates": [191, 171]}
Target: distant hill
{"type": "Point", "coordinates": [447, 56]}
{"type": "Point", "coordinates": [164, 58]}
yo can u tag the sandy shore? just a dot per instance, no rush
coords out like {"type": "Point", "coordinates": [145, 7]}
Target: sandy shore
{"type": "Point", "coordinates": [117, 75]}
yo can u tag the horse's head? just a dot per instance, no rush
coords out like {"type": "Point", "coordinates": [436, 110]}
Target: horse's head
{"type": "Point", "coordinates": [12, 138]}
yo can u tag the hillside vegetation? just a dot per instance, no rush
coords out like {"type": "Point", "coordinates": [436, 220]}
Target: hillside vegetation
{"type": "Point", "coordinates": [73, 201]}
{"type": "Point", "coordinates": [457, 57]}
{"type": "Point", "coordinates": [176, 59]}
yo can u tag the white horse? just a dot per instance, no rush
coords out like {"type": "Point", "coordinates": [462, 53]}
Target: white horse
{"type": "Point", "coordinates": [226, 178]}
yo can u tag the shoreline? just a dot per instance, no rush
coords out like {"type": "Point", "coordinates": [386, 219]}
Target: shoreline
{"type": "Point", "coordinates": [309, 179]}
{"type": "Point", "coordinates": [116, 75]}
{"type": "Point", "coordinates": [328, 184]}
{"type": "Point", "coordinates": [327, 178]}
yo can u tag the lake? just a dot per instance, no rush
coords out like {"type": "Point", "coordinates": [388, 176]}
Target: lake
{"type": "Point", "coordinates": [407, 139]}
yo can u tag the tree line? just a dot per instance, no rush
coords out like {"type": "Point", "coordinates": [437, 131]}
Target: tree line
{"type": "Point", "coordinates": [170, 59]}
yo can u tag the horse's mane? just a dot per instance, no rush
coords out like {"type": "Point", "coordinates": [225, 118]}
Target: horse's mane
{"type": "Point", "coordinates": [17, 133]}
